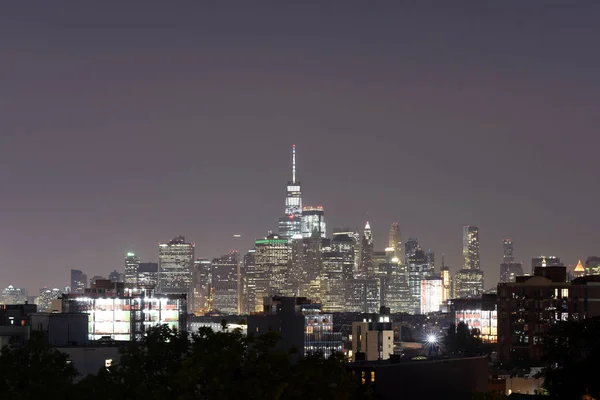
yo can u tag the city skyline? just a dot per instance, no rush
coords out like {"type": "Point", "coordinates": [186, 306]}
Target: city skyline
{"type": "Point", "coordinates": [114, 141]}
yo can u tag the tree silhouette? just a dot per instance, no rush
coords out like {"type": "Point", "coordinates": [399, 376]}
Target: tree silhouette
{"type": "Point", "coordinates": [35, 370]}
{"type": "Point", "coordinates": [571, 354]}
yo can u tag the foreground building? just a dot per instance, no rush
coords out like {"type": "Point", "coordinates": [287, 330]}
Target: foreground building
{"type": "Point", "coordinates": [301, 324]}
{"type": "Point", "coordinates": [373, 337]}
{"type": "Point", "coordinates": [530, 306]}
{"type": "Point", "coordinates": [480, 314]}
{"type": "Point", "coordinates": [407, 379]}
{"type": "Point", "coordinates": [123, 315]}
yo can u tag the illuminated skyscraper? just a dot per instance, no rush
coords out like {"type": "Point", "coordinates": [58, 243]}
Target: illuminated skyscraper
{"type": "Point", "coordinates": [175, 266]}
{"type": "Point", "coordinates": [509, 269]}
{"type": "Point", "coordinates": [395, 241]}
{"type": "Point", "coordinates": [202, 287]}
{"type": "Point", "coordinates": [290, 225]}
{"type": "Point", "coordinates": [367, 267]}
{"type": "Point", "coordinates": [355, 236]}
{"type": "Point", "coordinates": [579, 271]}
{"type": "Point", "coordinates": [132, 266]}
{"type": "Point", "coordinates": [468, 283]}
{"type": "Point", "coordinates": [470, 247]}
{"type": "Point", "coordinates": [305, 266]}
{"type": "Point", "coordinates": [332, 282]}
{"type": "Point", "coordinates": [418, 269]}
{"type": "Point", "coordinates": [224, 283]}
{"type": "Point", "coordinates": [446, 281]}
{"type": "Point", "coordinates": [270, 269]}
{"type": "Point", "coordinates": [249, 290]}
{"type": "Point", "coordinates": [313, 222]}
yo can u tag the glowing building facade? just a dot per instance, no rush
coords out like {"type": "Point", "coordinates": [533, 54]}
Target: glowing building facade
{"type": "Point", "coordinates": [432, 293]}
{"type": "Point", "coordinates": [125, 318]}
{"type": "Point", "coordinates": [313, 222]}
{"type": "Point", "coordinates": [480, 314]}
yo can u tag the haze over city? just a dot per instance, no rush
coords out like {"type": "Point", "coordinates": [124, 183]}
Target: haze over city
{"type": "Point", "coordinates": [126, 124]}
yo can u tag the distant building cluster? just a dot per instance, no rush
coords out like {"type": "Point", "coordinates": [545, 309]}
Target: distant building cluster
{"type": "Point", "coordinates": [301, 277]}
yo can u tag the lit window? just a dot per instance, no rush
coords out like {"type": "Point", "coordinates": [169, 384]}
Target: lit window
{"type": "Point", "coordinates": [564, 293]}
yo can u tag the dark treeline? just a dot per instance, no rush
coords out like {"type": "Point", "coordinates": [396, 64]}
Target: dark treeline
{"type": "Point", "coordinates": [180, 366]}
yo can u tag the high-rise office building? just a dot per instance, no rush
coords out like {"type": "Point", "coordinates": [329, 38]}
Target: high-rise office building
{"type": "Point", "coordinates": [313, 222]}
{"type": "Point", "coordinates": [418, 269]}
{"type": "Point", "coordinates": [395, 242]}
{"type": "Point", "coordinates": [224, 283]}
{"type": "Point", "coordinates": [202, 287]}
{"type": "Point", "coordinates": [430, 257]}
{"type": "Point", "coordinates": [471, 247]}
{"type": "Point", "coordinates": [509, 252]}
{"type": "Point", "coordinates": [545, 261]}
{"type": "Point", "coordinates": [148, 275]}
{"type": "Point", "coordinates": [248, 282]}
{"type": "Point", "coordinates": [468, 283]}
{"type": "Point", "coordinates": [290, 225]}
{"type": "Point", "coordinates": [332, 282]}
{"type": "Point", "coordinates": [175, 265]}
{"type": "Point", "coordinates": [509, 269]}
{"type": "Point", "coordinates": [364, 295]}
{"type": "Point", "coordinates": [132, 266]}
{"type": "Point", "coordinates": [305, 265]}
{"type": "Point", "coordinates": [592, 265]}
{"type": "Point", "coordinates": [345, 245]}
{"type": "Point", "coordinates": [367, 267]}
{"type": "Point", "coordinates": [271, 259]}
{"type": "Point", "coordinates": [410, 247]}
{"type": "Point", "coordinates": [13, 295]}
{"type": "Point", "coordinates": [78, 281]}
{"type": "Point", "coordinates": [355, 236]}
{"type": "Point", "coordinates": [446, 281]}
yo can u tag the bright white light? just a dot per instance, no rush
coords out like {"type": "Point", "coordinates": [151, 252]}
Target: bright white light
{"type": "Point", "coordinates": [431, 339]}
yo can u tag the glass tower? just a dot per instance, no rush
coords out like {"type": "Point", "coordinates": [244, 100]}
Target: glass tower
{"type": "Point", "coordinates": [290, 225]}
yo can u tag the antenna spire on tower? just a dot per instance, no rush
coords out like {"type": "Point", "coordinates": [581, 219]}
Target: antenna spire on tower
{"type": "Point", "coordinates": [294, 163]}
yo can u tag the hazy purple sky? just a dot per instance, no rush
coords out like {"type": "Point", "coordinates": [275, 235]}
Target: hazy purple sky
{"type": "Point", "coordinates": [126, 123]}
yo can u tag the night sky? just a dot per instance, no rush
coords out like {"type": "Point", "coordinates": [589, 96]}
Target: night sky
{"type": "Point", "coordinates": [124, 124]}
